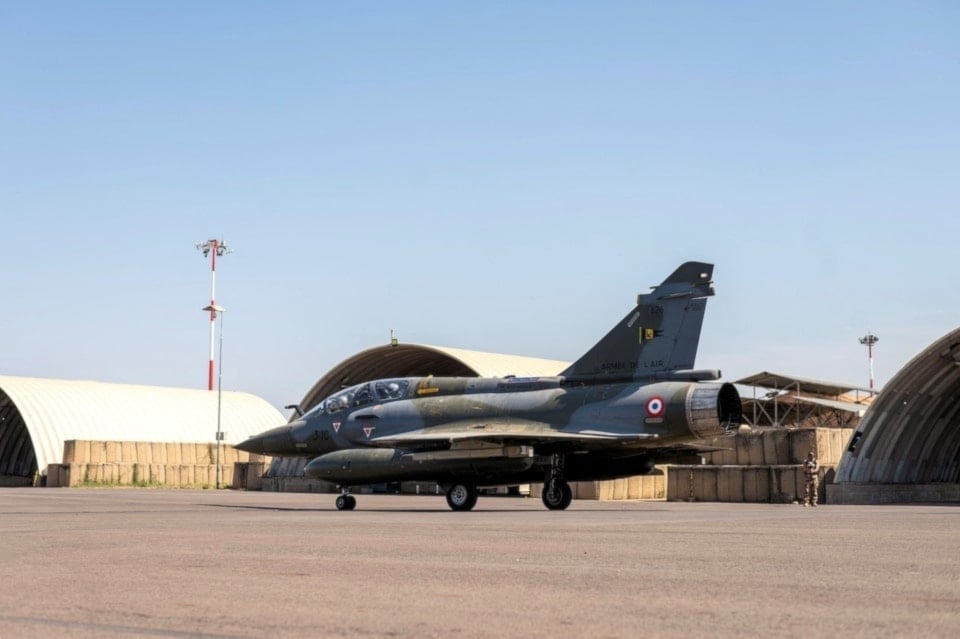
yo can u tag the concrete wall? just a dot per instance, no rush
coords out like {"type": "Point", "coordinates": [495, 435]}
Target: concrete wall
{"type": "Point", "coordinates": [248, 475]}
{"type": "Point", "coordinates": [650, 487]}
{"type": "Point", "coordinates": [763, 484]}
{"type": "Point", "coordinates": [875, 493]}
{"type": "Point", "coordinates": [179, 465]}
{"type": "Point", "coordinates": [760, 465]}
{"type": "Point", "coordinates": [298, 484]}
{"type": "Point", "coordinates": [779, 446]}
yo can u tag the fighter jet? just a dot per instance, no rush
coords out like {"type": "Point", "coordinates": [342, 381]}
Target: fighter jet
{"type": "Point", "coordinates": [632, 401]}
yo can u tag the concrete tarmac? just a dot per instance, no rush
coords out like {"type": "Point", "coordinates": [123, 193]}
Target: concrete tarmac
{"type": "Point", "coordinates": [181, 563]}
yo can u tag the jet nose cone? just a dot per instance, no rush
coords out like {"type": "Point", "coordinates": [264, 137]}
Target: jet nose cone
{"type": "Point", "coordinates": [251, 445]}
{"type": "Point", "coordinates": [276, 441]}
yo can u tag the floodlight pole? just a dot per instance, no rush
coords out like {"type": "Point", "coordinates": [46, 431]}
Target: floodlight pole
{"type": "Point", "coordinates": [218, 310]}
{"type": "Point", "coordinates": [213, 249]}
{"type": "Point", "coordinates": [869, 340]}
{"type": "Point", "coordinates": [219, 398]}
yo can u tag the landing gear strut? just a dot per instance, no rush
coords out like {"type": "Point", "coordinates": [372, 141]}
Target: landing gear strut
{"type": "Point", "coordinates": [462, 497]}
{"type": "Point", "coordinates": [346, 501]}
{"type": "Point", "coordinates": [556, 494]}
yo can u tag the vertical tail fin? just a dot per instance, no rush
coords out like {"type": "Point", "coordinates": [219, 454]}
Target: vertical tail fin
{"type": "Point", "coordinates": [661, 334]}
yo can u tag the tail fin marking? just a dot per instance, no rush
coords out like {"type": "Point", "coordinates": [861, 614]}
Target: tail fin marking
{"type": "Point", "coordinates": [660, 334]}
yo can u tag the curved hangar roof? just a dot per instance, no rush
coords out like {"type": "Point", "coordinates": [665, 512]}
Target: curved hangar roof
{"type": "Point", "coordinates": [413, 360]}
{"type": "Point", "coordinates": [911, 432]}
{"type": "Point", "coordinates": [38, 415]}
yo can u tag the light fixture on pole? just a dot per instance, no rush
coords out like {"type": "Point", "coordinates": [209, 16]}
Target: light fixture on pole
{"type": "Point", "coordinates": [214, 311]}
{"type": "Point", "coordinates": [869, 340]}
{"type": "Point", "coordinates": [213, 249]}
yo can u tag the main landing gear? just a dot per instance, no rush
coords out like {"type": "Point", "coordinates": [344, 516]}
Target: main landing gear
{"type": "Point", "coordinates": [557, 493]}
{"type": "Point", "coordinates": [346, 501]}
{"type": "Point", "coordinates": [462, 497]}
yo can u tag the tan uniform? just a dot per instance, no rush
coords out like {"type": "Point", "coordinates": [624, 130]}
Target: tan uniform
{"type": "Point", "coordinates": [811, 472]}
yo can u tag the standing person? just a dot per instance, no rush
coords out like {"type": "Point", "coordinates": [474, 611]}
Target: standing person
{"type": "Point", "coordinates": [811, 471]}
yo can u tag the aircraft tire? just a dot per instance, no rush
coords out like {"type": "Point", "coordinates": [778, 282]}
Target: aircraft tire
{"type": "Point", "coordinates": [462, 497]}
{"type": "Point", "coordinates": [346, 502]}
{"type": "Point", "coordinates": [557, 495]}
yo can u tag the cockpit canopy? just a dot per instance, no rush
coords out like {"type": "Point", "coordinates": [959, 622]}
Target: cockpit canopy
{"type": "Point", "coordinates": [383, 390]}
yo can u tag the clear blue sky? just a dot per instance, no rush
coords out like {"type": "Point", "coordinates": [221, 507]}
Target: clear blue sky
{"type": "Point", "coordinates": [500, 176]}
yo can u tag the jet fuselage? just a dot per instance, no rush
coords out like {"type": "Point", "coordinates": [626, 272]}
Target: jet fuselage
{"type": "Point", "coordinates": [349, 435]}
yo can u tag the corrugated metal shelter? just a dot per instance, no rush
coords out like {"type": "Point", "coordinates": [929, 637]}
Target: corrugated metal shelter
{"type": "Point", "coordinates": [38, 415]}
{"type": "Point", "coordinates": [911, 433]}
{"type": "Point", "coordinates": [412, 360]}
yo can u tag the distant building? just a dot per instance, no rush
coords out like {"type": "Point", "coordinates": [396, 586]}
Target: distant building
{"type": "Point", "coordinates": [38, 415]}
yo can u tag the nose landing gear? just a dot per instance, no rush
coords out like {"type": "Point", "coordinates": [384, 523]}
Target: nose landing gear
{"type": "Point", "coordinates": [346, 501]}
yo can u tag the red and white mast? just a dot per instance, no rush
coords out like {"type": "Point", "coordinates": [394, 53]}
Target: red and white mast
{"type": "Point", "coordinates": [213, 249]}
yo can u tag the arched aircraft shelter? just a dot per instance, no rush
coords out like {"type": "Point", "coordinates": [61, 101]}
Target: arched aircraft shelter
{"type": "Point", "coordinates": [38, 415]}
{"type": "Point", "coordinates": [907, 447]}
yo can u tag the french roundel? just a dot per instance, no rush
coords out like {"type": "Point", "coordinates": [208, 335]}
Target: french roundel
{"type": "Point", "coordinates": [655, 406]}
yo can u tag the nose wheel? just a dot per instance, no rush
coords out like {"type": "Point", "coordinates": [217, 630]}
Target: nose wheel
{"type": "Point", "coordinates": [346, 501]}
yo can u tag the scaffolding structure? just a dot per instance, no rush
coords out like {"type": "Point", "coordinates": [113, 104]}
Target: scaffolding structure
{"type": "Point", "coordinates": [775, 400]}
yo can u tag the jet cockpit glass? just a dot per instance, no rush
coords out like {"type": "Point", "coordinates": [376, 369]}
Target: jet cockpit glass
{"type": "Point", "coordinates": [340, 401]}
{"type": "Point", "coordinates": [316, 410]}
{"type": "Point", "coordinates": [391, 389]}
{"type": "Point", "coordinates": [364, 394]}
